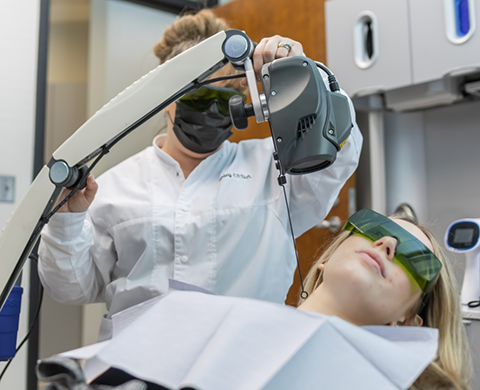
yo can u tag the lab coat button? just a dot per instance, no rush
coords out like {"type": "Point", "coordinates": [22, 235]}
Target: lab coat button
{"type": "Point", "coordinates": [185, 208]}
{"type": "Point", "coordinates": [184, 259]}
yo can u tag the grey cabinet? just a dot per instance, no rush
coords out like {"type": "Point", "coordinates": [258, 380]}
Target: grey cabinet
{"type": "Point", "coordinates": [445, 38]}
{"type": "Point", "coordinates": [368, 45]}
{"type": "Point", "coordinates": [377, 45]}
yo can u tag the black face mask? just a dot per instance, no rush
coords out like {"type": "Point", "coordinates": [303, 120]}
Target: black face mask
{"type": "Point", "coordinates": [201, 131]}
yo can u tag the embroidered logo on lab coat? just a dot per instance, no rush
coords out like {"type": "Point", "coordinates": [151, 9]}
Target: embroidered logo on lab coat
{"type": "Point", "coordinates": [234, 176]}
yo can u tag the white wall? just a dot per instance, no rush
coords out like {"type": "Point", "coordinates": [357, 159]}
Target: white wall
{"type": "Point", "coordinates": [66, 111]}
{"type": "Point", "coordinates": [19, 24]}
{"type": "Point", "coordinates": [117, 51]}
{"type": "Point", "coordinates": [122, 36]}
{"type": "Point", "coordinates": [406, 164]}
{"type": "Point", "coordinates": [452, 143]}
{"type": "Point", "coordinates": [68, 52]}
{"type": "Point", "coordinates": [433, 162]}
{"type": "Point", "coordinates": [453, 165]}
{"type": "Point", "coordinates": [67, 77]}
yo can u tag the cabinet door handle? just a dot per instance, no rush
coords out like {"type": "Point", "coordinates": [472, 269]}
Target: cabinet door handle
{"type": "Point", "coordinates": [460, 20]}
{"type": "Point", "coordinates": [365, 32]}
{"type": "Point", "coordinates": [369, 40]}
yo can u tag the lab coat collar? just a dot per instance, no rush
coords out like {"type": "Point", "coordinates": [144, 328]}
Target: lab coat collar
{"type": "Point", "coordinates": [159, 141]}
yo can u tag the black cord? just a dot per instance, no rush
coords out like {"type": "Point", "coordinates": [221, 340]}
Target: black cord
{"type": "Point", "coordinates": [43, 221]}
{"type": "Point", "coordinates": [34, 322]}
{"type": "Point", "coordinates": [332, 80]}
{"type": "Point", "coordinates": [210, 81]}
{"type": "Point", "coordinates": [422, 311]}
{"type": "Point", "coordinates": [106, 149]}
{"type": "Point", "coordinates": [99, 154]}
{"type": "Point", "coordinates": [473, 304]}
{"type": "Point", "coordinates": [303, 294]}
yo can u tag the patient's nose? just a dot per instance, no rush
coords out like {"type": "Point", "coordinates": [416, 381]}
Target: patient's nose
{"type": "Point", "coordinates": [388, 245]}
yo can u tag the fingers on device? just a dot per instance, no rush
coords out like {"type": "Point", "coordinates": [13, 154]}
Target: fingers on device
{"type": "Point", "coordinates": [462, 236]}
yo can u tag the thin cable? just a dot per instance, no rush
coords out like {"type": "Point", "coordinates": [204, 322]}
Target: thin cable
{"type": "Point", "coordinates": [332, 80]}
{"type": "Point", "coordinates": [43, 221]}
{"type": "Point", "coordinates": [106, 150]}
{"type": "Point", "coordinates": [210, 81]}
{"type": "Point", "coordinates": [198, 85]}
{"type": "Point", "coordinates": [34, 322]}
{"type": "Point", "coordinates": [473, 304]}
{"type": "Point", "coordinates": [303, 294]}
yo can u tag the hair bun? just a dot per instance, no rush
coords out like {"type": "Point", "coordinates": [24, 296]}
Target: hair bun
{"type": "Point", "coordinates": [186, 32]}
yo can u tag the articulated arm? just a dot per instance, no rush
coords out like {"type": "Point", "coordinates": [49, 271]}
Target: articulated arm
{"type": "Point", "coordinates": [309, 124]}
{"type": "Point", "coordinates": [128, 110]}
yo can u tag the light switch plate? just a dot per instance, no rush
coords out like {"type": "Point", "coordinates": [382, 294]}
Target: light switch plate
{"type": "Point", "coordinates": [7, 189]}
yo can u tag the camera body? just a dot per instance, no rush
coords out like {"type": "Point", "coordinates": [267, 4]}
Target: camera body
{"type": "Point", "coordinates": [309, 124]}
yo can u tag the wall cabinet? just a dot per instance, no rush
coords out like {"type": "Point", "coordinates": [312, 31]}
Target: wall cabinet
{"type": "Point", "coordinates": [377, 46]}
{"type": "Point", "coordinates": [361, 51]}
{"type": "Point", "coordinates": [445, 40]}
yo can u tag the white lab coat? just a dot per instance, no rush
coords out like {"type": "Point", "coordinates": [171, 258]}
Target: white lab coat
{"type": "Point", "coordinates": [224, 228]}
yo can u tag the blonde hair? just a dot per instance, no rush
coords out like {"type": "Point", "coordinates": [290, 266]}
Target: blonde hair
{"type": "Point", "coordinates": [188, 31]}
{"type": "Point", "coordinates": [452, 368]}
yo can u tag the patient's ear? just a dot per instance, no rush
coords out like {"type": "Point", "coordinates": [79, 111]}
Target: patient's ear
{"type": "Point", "coordinates": [414, 320]}
{"type": "Point", "coordinates": [321, 266]}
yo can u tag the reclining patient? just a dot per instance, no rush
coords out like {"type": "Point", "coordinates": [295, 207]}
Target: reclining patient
{"type": "Point", "coordinates": [414, 286]}
{"type": "Point", "coordinates": [379, 271]}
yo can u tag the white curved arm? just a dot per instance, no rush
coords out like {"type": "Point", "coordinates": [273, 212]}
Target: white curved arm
{"type": "Point", "coordinates": [142, 99]}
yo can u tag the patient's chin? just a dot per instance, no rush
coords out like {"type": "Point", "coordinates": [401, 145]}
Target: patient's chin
{"type": "Point", "coordinates": [356, 278]}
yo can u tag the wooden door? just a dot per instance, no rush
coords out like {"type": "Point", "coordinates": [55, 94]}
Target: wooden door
{"type": "Point", "coordinates": [303, 21]}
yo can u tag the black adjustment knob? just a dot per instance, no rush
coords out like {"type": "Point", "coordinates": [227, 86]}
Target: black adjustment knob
{"type": "Point", "coordinates": [81, 178]}
{"type": "Point", "coordinates": [239, 112]}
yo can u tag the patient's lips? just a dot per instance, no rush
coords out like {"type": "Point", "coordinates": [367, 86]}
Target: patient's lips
{"type": "Point", "coordinates": [373, 258]}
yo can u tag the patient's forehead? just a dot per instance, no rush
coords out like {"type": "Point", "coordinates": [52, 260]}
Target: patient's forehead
{"type": "Point", "coordinates": [415, 231]}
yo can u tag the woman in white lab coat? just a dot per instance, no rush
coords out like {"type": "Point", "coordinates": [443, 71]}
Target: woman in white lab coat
{"type": "Point", "coordinates": [192, 207]}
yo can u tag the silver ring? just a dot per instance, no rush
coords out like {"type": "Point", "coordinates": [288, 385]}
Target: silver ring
{"type": "Point", "coordinates": [286, 45]}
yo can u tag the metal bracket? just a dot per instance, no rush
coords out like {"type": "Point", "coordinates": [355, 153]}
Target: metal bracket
{"type": "Point", "coordinates": [252, 85]}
